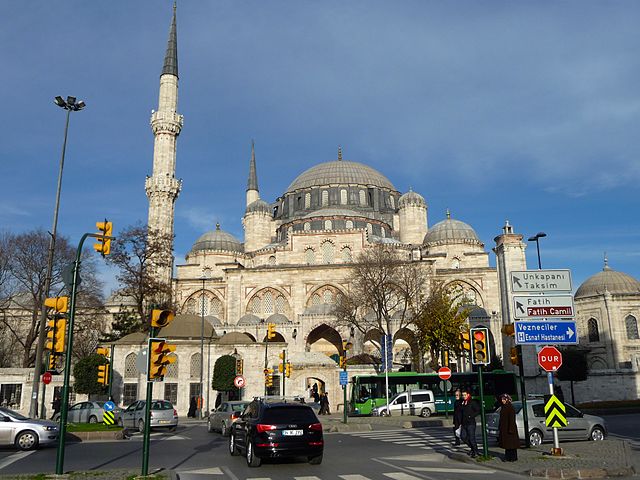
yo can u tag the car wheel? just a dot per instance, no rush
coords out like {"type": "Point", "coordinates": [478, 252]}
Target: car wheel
{"type": "Point", "coordinates": [209, 428]}
{"type": "Point", "coordinates": [141, 426]}
{"type": "Point", "coordinates": [233, 450]}
{"type": "Point", "coordinates": [252, 460]}
{"type": "Point", "coordinates": [93, 419]}
{"type": "Point", "coordinates": [597, 434]}
{"type": "Point", "coordinates": [384, 413]}
{"type": "Point", "coordinates": [317, 460]}
{"type": "Point", "coordinates": [224, 430]}
{"type": "Point", "coordinates": [535, 438]}
{"type": "Point", "coordinates": [425, 412]}
{"type": "Point", "coordinates": [27, 440]}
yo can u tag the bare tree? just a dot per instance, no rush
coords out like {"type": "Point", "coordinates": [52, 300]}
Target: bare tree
{"type": "Point", "coordinates": [137, 253]}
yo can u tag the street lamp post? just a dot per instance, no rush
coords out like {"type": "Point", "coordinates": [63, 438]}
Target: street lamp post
{"type": "Point", "coordinates": [70, 105]}
{"type": "Point", "coordinates": [536, 239]}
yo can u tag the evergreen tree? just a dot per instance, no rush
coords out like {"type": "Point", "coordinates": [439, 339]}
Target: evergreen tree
{"type": "Point", "coordinates": [85, 374]}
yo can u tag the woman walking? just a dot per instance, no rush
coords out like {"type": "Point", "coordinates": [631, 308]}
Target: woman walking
{"type": "Point", "coordinates": [508, 430]}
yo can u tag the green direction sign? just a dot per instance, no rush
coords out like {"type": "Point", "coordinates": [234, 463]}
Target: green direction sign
{"type": "Point", "coordinates": [555, 412]}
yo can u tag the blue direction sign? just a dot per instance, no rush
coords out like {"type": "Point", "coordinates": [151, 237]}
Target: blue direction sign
{"type": "Point", "coordinates": [546, 332]}
{"type": "Point", "coordinates": [344, 378]}
{"type": "Point", "coordinates": [109, 406]}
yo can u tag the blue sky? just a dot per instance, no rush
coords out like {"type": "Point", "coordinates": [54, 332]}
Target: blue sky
{"type": "Point", "coordinates": [526, 111]}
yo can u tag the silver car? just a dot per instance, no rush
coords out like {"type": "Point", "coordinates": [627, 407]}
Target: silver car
{"type": "Point", "coordinates": [223, 417]}
{"type": "Point", "coordinates": [580, 426]}
{"type": "Point", "coordinates": [25, 433]}
{"type": "Point", "coordinates": [163, 415]}
{"type": "Point", "coordinates": [86, 412]}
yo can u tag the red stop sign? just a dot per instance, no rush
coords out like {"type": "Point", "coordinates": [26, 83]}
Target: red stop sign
{"type": "Point", "coordinates": [550, 359]}
{"type": "Point", "coordinates": [46, 378]}
{"type": "Point", "coordinates": [444, 373]}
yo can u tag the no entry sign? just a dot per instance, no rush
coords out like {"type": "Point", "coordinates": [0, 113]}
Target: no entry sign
{"type": "Point", "coordinates": [444, 373]}
{"type": "Point", "coordinates": [550, 359]}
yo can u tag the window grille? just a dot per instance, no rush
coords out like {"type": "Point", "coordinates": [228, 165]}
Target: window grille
{"type": "Point", "coordinates": [272, 260]}
{"type": "Point", "coordinates": [192, 306]}
{"type": "Point", "coordinates": [327, 225]}
{"type": "Point", "coordinates": [632, 327]}
{"type": "Point", "coordinates": [393, 201]}
{"type": "Point", "coordinates": [327, 252]}
{"type": "Point", "coordinates": [172, 369]}
{"type": "Point", "coordinates": [363, 197]}
{"type": "Point", "coordinates": [346, 255]}
{"type": "Point", "coordinates": [130, 370]}
{"type": "Point", "coordinates": [349, 225]}
{"type": "Point", "coordinates": [369, 229]}
{"type": "Point", "coordinates": [216, 307]}
{"type": "Point", "coordinates": [309, 256]}
{"type": "Point", "coordinates": [327, 296]}
{"type": "Point", "coordinates": [307, 200]}
{"type": "Point", "coordinates": [171, 393]}
{"type": "Point", "coordinates": [315, 299]}
{"type": "Point", "coordinates": [203, 305]}
{"type": "Point", "coordinates": [129, 393]}
{"type": "Point", "coordinates": [194, 367]}
{"type": "Point", "coordinates": [325, 198]}
{"type": "Point", "coordinates": [281, 304]}
{"type": "Point", "coordinates": [343, 197]}
{"type": "Point", "coordinates": [267, 302]}
{"type": "Point", "coordinates": [254, 306]}
{"type": "Point", "coordinates": [307, 226]}
{"type": "Point", "coordinates": [592, 329]}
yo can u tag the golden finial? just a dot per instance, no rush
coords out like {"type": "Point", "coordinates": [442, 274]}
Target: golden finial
{"type": "Point", "coordinates": [339, 153]}
{"type": "Point", "coordinates": [448, 214]}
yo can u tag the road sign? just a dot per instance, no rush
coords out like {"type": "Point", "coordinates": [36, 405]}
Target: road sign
{"type": "Point", "coordinates": [555, 412]}
{"type": "Point", "coordinates": [344, 378]}
{"type": "Point", "coordinates": [444, 373]}
{"type": "Point", "coordinates": [46, 378]}
{"type": "Point", "coordinates": [445, 386]}
{"type": "Point", "coordinates": [141, 361]}
{"type": "Point", "coordinates": [108, 418]}
{"type": "Point", "coordinates": [109, 406]}
{"type": "Point", "coordinates": [543, 306]}
{"type": "Point", "coordinates": [550, 359]}
{"type": "Point", "coordinates": [239, 381]}
{"type": "Point", "coordinates": [544, 332]}
{"type": "Point", "coordinates": [541, 281]}
{"type": "Point", "coordinates": [386, 346]}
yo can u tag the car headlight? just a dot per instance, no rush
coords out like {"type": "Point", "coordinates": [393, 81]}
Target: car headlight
{"type": "Point", "coordinates": [51, 428]}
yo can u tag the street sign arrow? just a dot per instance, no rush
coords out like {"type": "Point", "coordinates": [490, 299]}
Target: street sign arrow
{"type": "Point", "coordinates": [545, 332]}
{"type": "Point", "coordinates": [543, 306]}
{"type": "Point", "coordinates": [541, 281]}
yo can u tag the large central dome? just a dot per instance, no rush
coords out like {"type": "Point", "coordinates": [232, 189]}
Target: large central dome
{"type": "Point", "coordinates": [340, 173]}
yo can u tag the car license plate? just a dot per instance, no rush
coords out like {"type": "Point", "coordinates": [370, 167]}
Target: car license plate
{"type": "Point", "coordinates": [292, 433]}
{"type": "Point", "coordinates": [163, 421]}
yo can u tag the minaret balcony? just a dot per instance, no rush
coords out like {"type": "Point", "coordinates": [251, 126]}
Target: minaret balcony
{"type": "Point", "coordinates": [162, 185]}
{"type": "Point", "coordinates": [166, 122]}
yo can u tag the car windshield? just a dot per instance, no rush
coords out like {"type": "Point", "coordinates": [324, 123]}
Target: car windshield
{"type": "Point", "coordinates": [13, 414]}
{"type": "Point", "coordinates": [238, 407]}
{"type": "Point", "coordinates": [289, 415]}
{"type": "Point", "coordinates": [161, 405]}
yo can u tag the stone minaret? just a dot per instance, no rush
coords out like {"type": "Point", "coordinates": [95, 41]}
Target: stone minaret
{"type": "Point", "coordinates": [257, 220]}
{"type": "Point", "coordinates": [162, 187]}
{"type": "Point", "coordinates": [412, 213]}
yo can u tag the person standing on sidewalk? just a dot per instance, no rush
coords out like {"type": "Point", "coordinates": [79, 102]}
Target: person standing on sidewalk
{"type": "Point", "coordinates": [508, 430]}
{"type": "Point", "coordinates": [470, 410]}
{"type": "Point", "coordinates": [457, 417]}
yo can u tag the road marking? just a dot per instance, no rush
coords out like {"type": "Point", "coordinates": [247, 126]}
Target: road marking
{"type": "Point", "coordinates": [14, 458]}
{"type": "Point", "coordinates": [424, 457]}
{"type": "Point", "coordinates": [401, 476]}
{"type": "Point", "coordinates": [450, 470]}
{"type": "Point", "coordinates": [353, 477]}
{"type": "Point", "coordinates": [307, 478]}
{"type": "Point", "coordinates": [204, 471]}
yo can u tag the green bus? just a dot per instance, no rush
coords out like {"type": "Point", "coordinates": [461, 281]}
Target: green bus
{"type": "Point", "coordinates": [367, 391]}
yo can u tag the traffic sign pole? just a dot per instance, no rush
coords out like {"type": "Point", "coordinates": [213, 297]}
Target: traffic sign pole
{"type": "Point", "coordinates": [556, 451]}
{"type": "Point", "coordinates": [147, 409]}
{"type": "Point", "coordinates": [483, 419]}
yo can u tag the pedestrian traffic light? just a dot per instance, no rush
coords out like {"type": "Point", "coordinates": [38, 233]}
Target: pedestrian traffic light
{"type": "Point", "coordinates": [160, 357]}
{"type": "Point", "coordinates": [103, 243]}
{"type": "Point", "coordinates": [58, 304]}
{"type": "Point", "coordinates": [288, 370]}
{"type": "Point", "coordinates": [480, 346]}
{"type": "Point", "coordinates": [239, 366]}
{"type": "Point", "coordinates": [508, 330]}
{"type": "Point", "coordinates": [161, 318]}
{"type": "Point", "coordinates": [514, 355]}
{"type": "Point", "coordinates": [103, 374]}
{"type": "Point", "coordinates": [465, 342]}
{"type": "Point", "coordinates": [56, 330]}
{"type": "Point", "coordinates": [271, 330]}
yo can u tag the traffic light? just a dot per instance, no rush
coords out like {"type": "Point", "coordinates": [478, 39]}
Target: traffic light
{"type": "Point", "coordinates": [53, 367]}
{"type": "Point", "coordinates": [103, 243]}
{"type": "Point", "coordinates": [280, 368]}
{"type": "Point", "coordinates": [103, 374]}
{"type": "Point", "coordinates": [445, 358]}
{"type": "Point", "coordinates": [465, 341]}
{"type": "Point", "coordinates": [287, 370]}
{"type": "Point", "coordinates": [343, 361]}
{"type": "Point", "coordinates": [161, 356]}
{"type": "Point", "coordinates": [161, 318]}
{"type": "Point", "coordinates": [58, 304]}
{"type": "Point", "coordinates": [56, 330]}
{"type": "Point", "coordinates": [509, 330]}
{"type": "Point", "coordinates": [104, 351]}
{"type": "Point", "coordinates": [271, 330]}
{"type": "Point", "coordinates": [514, 356]}
{"type": "Point", "coordinates": [239, 366]}
{"type": "Point", "coordinates": [268, 379]}
{"type": "Point", "coordinates": [480, 346]}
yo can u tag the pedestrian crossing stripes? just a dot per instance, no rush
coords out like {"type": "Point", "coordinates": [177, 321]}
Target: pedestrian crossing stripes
{"type": "Point", "coordinates": [437, 440]}
{"type": "Point", "coordinates": [398, 475]}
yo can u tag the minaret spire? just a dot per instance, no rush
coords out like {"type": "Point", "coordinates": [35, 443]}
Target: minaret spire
{"type": "Point", "coordinates": [171, 56]}
{"type": "Point", "coordinates": [252, 182]}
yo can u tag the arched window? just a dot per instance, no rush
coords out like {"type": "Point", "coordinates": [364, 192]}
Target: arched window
{"type": "Point", "coordinates": [307, 226]}
{"type": "Point", "coordinates": [325, 198]}
{"type": "Point", "coordinates": [254, 306]}
{"type": "Point", "coordinates": [592, 330]}
{"type": "Point", "coordinates": [343, 197]}
{"type": "Point", "coordinates": [172, 369]}
{"type": "Point", "coordinates": [192, 306]}
{"type": "Point", "coordinates": [327, 225]}
{"type": "Point", "coordinates": [393, 201]}
{"type": "Point", "coordinates": [455, 263]}
{"type": "Point", "coordinates": [307, 200]}
{"type": "Point", "coordinates": [130, 370]}
{"type": "Point", "coordinates": [272, 260]}
{"type": "Point", "coordinates": [347, 257]}
{"type": "Point", "coordinates": [216, 307]}
{"type": "Point", "coordinates": [315, 299]}
{"type": "Point", "coordinates": [632, 327]}
{"type": "Point", "coordinates": [362, 196]}
{"type": "Point", "coordinates": [327, 296]}
{"type": "Point", "coordinates": [327, 252]}
{"type": "Point", "coordinates": [369, 229]}
{"type": "Point", "coordinates": [383, 232]}
{"type": "Point", "coordinates": [309, 256]}
{"type": "Point", "coordinates": [349, 225]}
{"type": "Point", "coordinates": [194, 365]}
{"type": "Point", "coordinates": [281, 304]}
{"type": "Point", "coordinates": [267, 303]}
{"type": "Point", "coordinates": [203, 305]}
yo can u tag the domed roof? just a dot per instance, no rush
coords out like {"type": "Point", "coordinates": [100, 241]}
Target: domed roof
{"type": "Point", "coordinates": [233, 338]}
{"type": "Point", "coordinates": [451, 231]}
{"type": "Point", "coordinates": [608, 280]}
{"type": "Point", "coordinates": [258, 206]}
{"type": "Point", "coordinates": [411, 198]}
{"type": "Point", "coordinates": [340, 172]}
{"type": "Point", "coordinates": [217, 240]}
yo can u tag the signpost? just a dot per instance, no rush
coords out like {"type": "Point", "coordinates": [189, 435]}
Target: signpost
{"type": "Point", "coordinates": [543, 306]}
{"type": "Point", "coordinates": [541, 332]}
{"type": "Point", "coordinates": [541, 281]}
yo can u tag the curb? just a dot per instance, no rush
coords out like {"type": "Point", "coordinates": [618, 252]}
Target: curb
{"type": "Point", "coordinates": [354, 427]}
{"type": "Point", "coordinates": [92, 436]}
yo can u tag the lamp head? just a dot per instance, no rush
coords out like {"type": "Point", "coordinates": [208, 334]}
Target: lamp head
{"type": "Point", "coordinates": [71, 100]}
{"type": "Point", "coordinates": [59, 101]}
{"type": "Point", "coordinates": [80, 105]}
{"type": "Point", "coordinates": [537, 236]}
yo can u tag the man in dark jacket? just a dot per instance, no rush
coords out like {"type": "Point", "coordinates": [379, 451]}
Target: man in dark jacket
{"type": "Point", "coordinates": [457, 417]}
{"type": "Point", "coordinates": [470, 410]}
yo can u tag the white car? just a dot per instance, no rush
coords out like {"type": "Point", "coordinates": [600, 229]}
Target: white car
{"type": "Point", "coordinates": [25, 433]}
{"type": "Point", "coordinates": [411, 402]}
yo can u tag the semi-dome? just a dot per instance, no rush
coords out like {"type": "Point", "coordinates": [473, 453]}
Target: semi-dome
{"type": "Point", "coordinates": [217, 240]}
{"type": "Point", "coordinates": [608, 280]}
{"type": "Point", "coordinates": [451, 231]}
{"type": "Point", "coordinates": [258, 206]}
{"type": "Point", "coordinates": [340, 173]}
{"type": "Point", "coordinates": [411, 198]}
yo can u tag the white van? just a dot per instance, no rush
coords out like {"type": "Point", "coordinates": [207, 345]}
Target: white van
{"type": "Point", "coordinates": [411, 402]}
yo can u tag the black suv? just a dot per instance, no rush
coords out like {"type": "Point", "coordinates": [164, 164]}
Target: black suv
{"type": "Point", "coordinates": [277, 428]}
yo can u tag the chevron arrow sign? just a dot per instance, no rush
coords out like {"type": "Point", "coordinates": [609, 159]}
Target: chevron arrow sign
{"type": "Point", "coordinates": [555, 412]}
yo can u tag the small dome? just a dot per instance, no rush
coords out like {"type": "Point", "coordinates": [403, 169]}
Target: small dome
{"type": "Point", "coordinates": [258, 206]}
{"type": "Point", "coordinates": [411, 198]}
{"type": "Point", "coordinates": [217, 240]}
{"type": "Point", "coordinates": [451, 231]}
{"type": "Point", "coordinates": [249, 319]}
{"type": "Point", "coordinates": [608, 280]}
{"type": "Point", "coordinates": [233, 338]}
{"type": "Point", "coordinates": [340, 173]}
